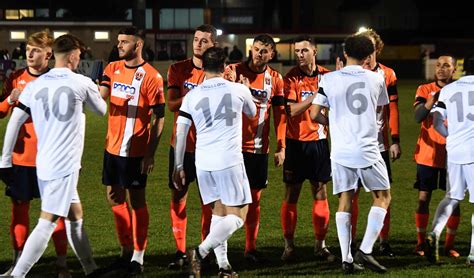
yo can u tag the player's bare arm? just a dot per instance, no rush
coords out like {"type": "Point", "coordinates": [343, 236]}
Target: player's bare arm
{"type": "Point", "coordinates": [174, 99]}
{"type": "Point", "coordinates": [316, 114]}
{"type": "Point", "coordinates": [279, 122]}
{"type": "Point", "coordinates": [104, 92]}
{"type": "Point", "coordinates": [156, 129]}
{"type": "Point", "coordinates": [295, 109]}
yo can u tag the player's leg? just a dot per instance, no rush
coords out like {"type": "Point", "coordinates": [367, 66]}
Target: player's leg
{"type": "Point", "coordinates": [320, 174]}
{"type": "Point", "coordinates": [135, 184]}
{"type": "Point", "coordinates": [454, 194]}
{"type": "Point", "coordinates": [453, 220]}
{"type": "Point", "coordinates": [289, 217]}
{"type": "Point", "coordinates": [178, 214]}
{"type": "Point", "coordinates": [354, 218]}
{"type": "Point", "coordinates": [375, 179]}
{"type": "Point", "coordinates": [229, 192]}
{"type": "Point", "coordinates": [56, 196]}
{"type": "Point", "coordinates": [35, 244]}
{"type": "Point", "coordinates": [114, 177]}
{"type": "Point", "coordinates": [469, 176]}
{"type": "Point", "coordinates": [60, 245]}
{"type": "Point", "coordinates": [78, 238]}
{"type": "Point", "coordinates": [320, 217]}
{"type": "Point", "coordinates": [256, 167]}
{"type": "Point", "coordinates": [293, 177]}
{"type": "Point", "coordinates": [422, 216]}
{"type": "Point", "coordinates": [385, 248]}
{"type": "Point", "coordinates": [426, 182]}
{"type": "Point", "coordinates": [21, 188]}
{"type": "Point", "coordinates": [345, 182]}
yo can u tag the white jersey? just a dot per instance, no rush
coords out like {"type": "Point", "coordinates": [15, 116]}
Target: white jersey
{"type": "Point", "coordinates": [352, 96]}
{"type": "Point", "coordinates": [55, 101]}
{"type": "Point", "coordinates": [456, 104]}
{"type": "Point", "coordinates": [216, 108]}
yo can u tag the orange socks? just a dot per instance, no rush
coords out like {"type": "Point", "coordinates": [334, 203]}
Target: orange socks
{"type": "Point", "coordinates": [178, 223]}
{"type": "Point", "coordinates": [421, 221]}
{"type": "Point", "coordinates": [320, 218]}
{"type": "Point", "coordinates": [140, 222]}
{"type": "Point", "coordinates": [206, 215]}
{"type": "Point", "coordinates": [60, 238]}
{"type": "Point", "coordinates": [20, 224]}
{"type": "Point", "coordinates": [386, 226]}
{"type": "Point", "coordinates": [252, 221]}
{"type": "Point", "coordinates": [288, 216]}
{"type": "Point", "coordinates": [451, 228]}
{"type": "Point", "coordinates": [123, 224]}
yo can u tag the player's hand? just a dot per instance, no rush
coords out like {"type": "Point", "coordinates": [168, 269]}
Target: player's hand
{"type": "Point", "coordinates": [147, 165]}
{"type": "Point", "coordinates": [279, 157]}
{"type": "Point", "coordinates": [244, 80]}
{"type": "Point", "coordinates": [395, 151]}
{"type": "Point", "coordinates": [179, 178]}
{"type": "Point", "coordinates": [230, 74]}
{"type": "Point", "coordinates": [14, 95]}
{"type": "Point", "coordinates": [339, 63]}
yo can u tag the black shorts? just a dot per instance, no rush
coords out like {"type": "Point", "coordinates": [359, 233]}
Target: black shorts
{"type": "Point", "coordinates": [430, 178]}
{"type": "Point", "coordinates": [123, 171]}
{"type": "Point", "coordinates": [386, 158]}
{"type": "Point", "coordinates": [306, 160]}
{"type": "Point", "coordinates": [256, 167]}
{"type": "Point", "coordinates": [23, 184]}
{"type": "Point", "coordinates": [188, 164]}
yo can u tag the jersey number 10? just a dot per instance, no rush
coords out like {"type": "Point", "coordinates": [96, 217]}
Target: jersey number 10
{"type": "Point", "coordinates": [63, 90]}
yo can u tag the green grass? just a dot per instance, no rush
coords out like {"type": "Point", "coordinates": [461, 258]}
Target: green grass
{"type": "Point", "coordinates": [100, 226]}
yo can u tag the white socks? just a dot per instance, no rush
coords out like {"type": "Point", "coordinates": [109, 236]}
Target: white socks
{"type": "Point", "coordinates": [443, 212]}
{"type": "Point", "coordinates": [374, 226]}
{"type": "Point", "coordinates": [221, 231]}
{"type": "Point", "coordinates": [343, 224]}
{"type": "Point", "coordinates": [221, 250]}
{"type": "Point", "coordinates": [138, 256]}
{"type": "Point", "coordinates": [34, 247]}
{"type": "Point", "coordinates": [79, 243]}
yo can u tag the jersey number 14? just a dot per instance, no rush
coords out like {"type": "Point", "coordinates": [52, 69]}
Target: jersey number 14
{"type": "Point", "coordinates": [223, 111]}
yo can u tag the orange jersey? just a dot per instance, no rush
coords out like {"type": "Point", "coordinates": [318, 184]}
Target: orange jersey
{"type": "Point", "coordinates": [298, 87]}
{"type": "Point", "coordinates": [134, 91]}
{"type": "Point", "coordinates": [431, 146]}
{"type": "Point", "coordinates": [184, 76]}
{"type": "Point", "coordinates": [267, 89]}
{"type": "Point", "coordinates": [24, 153]}
{"type": "Point", "coordinates": [390, 112]}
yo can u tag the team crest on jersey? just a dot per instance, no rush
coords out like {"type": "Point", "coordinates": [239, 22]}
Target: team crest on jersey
{"type": "Point", "coordinates": [21, 82]}
{"type": "Point", "coordinates": [139, 76]}
{"type": "Point", "coordinates": [306, 94]}
{"type": "Point", "coordinates": [117, 72]}
{"type": "Point", "coordinates": [189, 85]}
{"type": "Point", "coordinates": [268, 80]}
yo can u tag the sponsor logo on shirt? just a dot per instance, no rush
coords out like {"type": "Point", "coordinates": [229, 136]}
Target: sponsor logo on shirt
{"type": "Point", "coordinates": [124, 91]}
{"type": "Point", "coordinates": [189, 85]}
{"type": "Point", "coordinates": [260, 95]}
{"type": "Point", "coordinates": [306, 94]}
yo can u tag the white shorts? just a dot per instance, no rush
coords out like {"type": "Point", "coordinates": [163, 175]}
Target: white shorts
{"type": "Point", "coordinates": [229, 185]}
{"type": "Point", "coordinates": [373, 178]}
{"type": "Point", "coordinates": [58, 195]}
{"type": "Point", "coordinates": [461, 179]}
